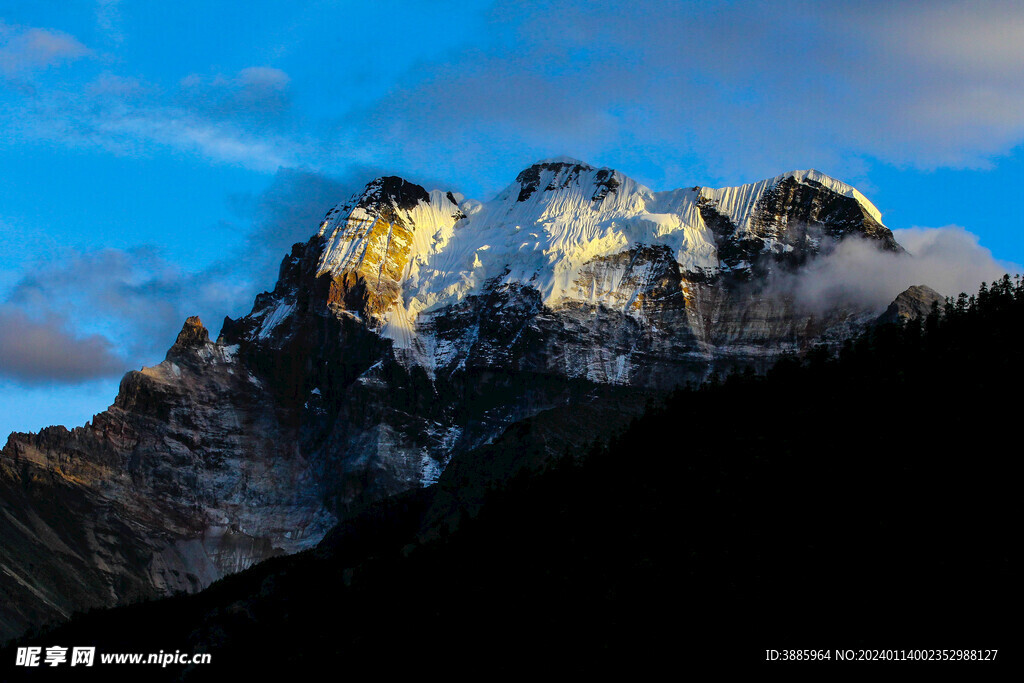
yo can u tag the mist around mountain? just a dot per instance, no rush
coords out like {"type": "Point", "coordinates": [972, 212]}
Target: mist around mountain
{"type": "Point", "coordinates": [855, 499]}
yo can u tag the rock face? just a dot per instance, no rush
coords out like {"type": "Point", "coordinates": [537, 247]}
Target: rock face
{"type": "Point", "coordinates": [914, 302]}
{"type": "Point", "coordinates": [187, 477]}
{"type": "Point", "coordinates": [413, 328]}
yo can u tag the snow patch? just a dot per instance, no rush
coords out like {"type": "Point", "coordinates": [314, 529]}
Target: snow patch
{"type": "Point", "coordinates": [272, 319]}
{"type": "Point", "coordinates": [430, 468]}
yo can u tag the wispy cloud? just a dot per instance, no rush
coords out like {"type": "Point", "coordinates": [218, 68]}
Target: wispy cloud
{"type": "Point", "coordinates": [256, 93]}
{"type": "Point", "coordinates": [217, 141]}
{"type": "Point", "coordinates": [109, 309]}
{"type": "Point", "coordinates": [728, 91]}
{"type": "Point", "coordinates": [24, 50]}
{"type": "Point", "coordinates": [108, 19]}
{"type": "Point", "coordinates": [47, 350]}
{"type": "Point", "coordinates": [289, 210]}
{"type": "Point", "coordinates": [102, 293]}
{"type": "Point", "coordinates": [743, 88]}
{"type": "Point", "coordinates": [238, 120]}
{"type": "Point", "coordinates": [948, 259]}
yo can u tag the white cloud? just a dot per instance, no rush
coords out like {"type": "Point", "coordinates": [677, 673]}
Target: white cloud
{"type": "Point", "coordinates": [254, 93]}
{"type": "Point", "coordinates": [948, 259]}
{"type": "Point", "coordinates": [729, 91]}
{"type": "Point", "coordinates": [46, 350]}
{"type": "Point", "coordinates": [264, 77]}
{"type": "Point", "coordinates": [217, 141]}
{"type": "Point", "coordinates": [746, 88]}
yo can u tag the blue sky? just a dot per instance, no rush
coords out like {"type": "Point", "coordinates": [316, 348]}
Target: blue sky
{"type": "Point", "coordinates": [158, 159]}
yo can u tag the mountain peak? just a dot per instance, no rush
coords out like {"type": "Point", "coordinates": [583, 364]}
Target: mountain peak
{"type": "Point", "coordinates": [913, 302]}
{"type": "Point", "coordinates": [193, 333]}
{"type": "Point", "coordinates": [559, 173]}
{"type": "Point", "coordinates": [567, 160]}
{"type": "Point", "coordinates": [385, 194]}
{"type": "Point", "coordinates": [836, 186]}
{"type": "Point", "coordinates": [402, 193]}
{"type": "Point", "coordinates": [193, 336]}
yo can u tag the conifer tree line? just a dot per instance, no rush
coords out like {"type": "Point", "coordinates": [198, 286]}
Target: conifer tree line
{"type": "Point", "coordinates": [977, 333]}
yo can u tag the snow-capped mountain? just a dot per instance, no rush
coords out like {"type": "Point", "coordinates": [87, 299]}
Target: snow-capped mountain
{"type": "Point", "coordinates": [402, 257]}
{"type": "Point", "coordinates": [413, 328]}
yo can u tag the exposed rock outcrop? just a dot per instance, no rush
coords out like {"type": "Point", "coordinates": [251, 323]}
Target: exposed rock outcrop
{"type": "Point", "coordinates": [913, 302]}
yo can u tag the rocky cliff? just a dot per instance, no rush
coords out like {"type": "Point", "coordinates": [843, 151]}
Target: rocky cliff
{"type": "Point", "coordinates": [914, 302]}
